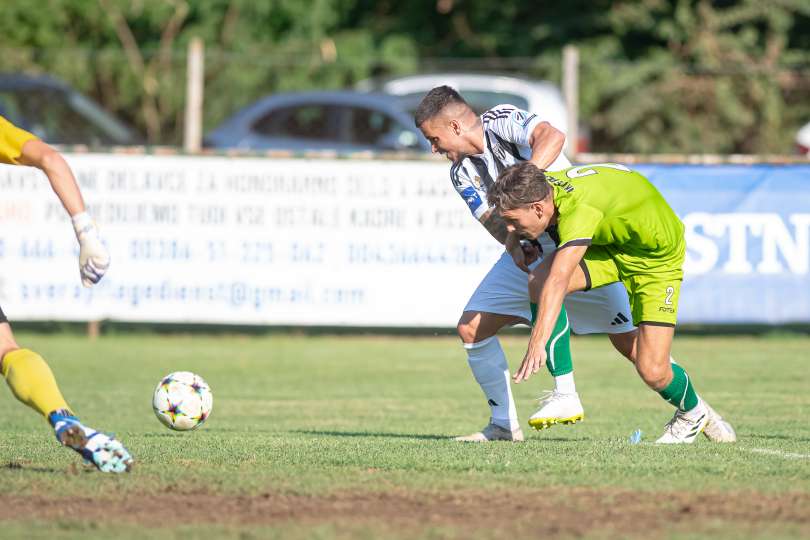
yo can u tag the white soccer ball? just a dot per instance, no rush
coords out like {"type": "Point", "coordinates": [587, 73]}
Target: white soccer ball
{"type": "Point", "coordinates": [182, 401]}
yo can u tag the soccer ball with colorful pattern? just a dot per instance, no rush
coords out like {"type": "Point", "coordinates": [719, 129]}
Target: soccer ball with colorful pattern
{"type": "Point", "coordinates": [182, 401]}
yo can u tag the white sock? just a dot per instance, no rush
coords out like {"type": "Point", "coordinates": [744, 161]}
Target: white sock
{"type": "Point", "coordinates": [489, 367]}
{"type": "Point", "coordinates": [565, 383]}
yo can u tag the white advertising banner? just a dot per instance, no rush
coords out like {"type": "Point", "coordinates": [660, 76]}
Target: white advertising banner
{"type": "Point", "coordinates": [246, 241]}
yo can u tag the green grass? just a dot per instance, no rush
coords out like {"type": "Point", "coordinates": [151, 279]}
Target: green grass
{"type": "Point", "coordinates": [328, 415]}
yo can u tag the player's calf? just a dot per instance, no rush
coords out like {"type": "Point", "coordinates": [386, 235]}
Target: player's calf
{"type": "Point", "coordinates": [625, 344]}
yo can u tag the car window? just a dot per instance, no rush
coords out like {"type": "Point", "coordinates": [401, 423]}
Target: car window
{"type": "Point", "coordinates": [117, 132]}
{"type": "Point", "coordinates": [372, 127]}
{"type": "Point", "coordinates": [49, 114]}
{"type": "Point", "coordinates": [368, 125]}
{"type": "Point", "coordinates": [301, 121]}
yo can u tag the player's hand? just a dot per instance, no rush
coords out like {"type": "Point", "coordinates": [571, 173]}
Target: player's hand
{"type": "Point", "coordinates": [519, 256]}
{"type": "Point", "coordinates": [94, 259]}
{"type": "Point", "coordinates": [531, 252]}
{"type": "Point", "coordinates": [534, 360]}
{"type": "Point", "coordinates": [523, 252]}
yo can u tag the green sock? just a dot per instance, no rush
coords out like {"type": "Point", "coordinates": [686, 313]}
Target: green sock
{"type": "Point", "coordinates": [558, 347]}
{"type": "Point", "coordinates": [680, 392]}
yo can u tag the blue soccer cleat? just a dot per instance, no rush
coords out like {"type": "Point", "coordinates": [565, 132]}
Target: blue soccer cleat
{"type": "Point", "coordinates": [104, 451]}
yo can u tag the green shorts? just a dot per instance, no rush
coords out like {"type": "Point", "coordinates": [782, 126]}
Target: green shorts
{"type": "Point", "coordinates": [653, 285]}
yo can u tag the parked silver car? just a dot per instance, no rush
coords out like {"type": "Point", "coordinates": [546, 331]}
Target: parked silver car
{"type": "Point", "coordinates": [344, 121]}
{"type": "Point", "coordinates": [482, 92]}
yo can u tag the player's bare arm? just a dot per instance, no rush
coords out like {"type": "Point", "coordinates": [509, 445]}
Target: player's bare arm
{"type": "Point", "coordinates": [547, 144]}
{"type": "Point", "coordinates": [94, 259]}
{"type": "Point", "coordinates": [37, 154]}
{"type": "Point", "coordinates": [494, 223]}
{"type": "Point", "coordinates": [563, 277]}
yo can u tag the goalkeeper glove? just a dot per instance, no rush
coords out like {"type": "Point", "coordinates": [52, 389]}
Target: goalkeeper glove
{"type": "Point", "coordinates": [94, 259]}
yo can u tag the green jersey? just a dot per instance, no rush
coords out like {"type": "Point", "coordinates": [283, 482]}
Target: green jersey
{"type": "Point", "coordinates": [610, 205]}
{"type": "Point", "coordinates": [632, 233]}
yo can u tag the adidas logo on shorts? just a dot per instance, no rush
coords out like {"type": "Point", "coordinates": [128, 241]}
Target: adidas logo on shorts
{"type": "Point", "coordinates": [619, 319]}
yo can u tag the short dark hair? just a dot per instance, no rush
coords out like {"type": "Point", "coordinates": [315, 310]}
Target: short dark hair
{"type": "Point", "coordinates": [434, 102]}
{"type": "Point", "coordinates": [518, 186]}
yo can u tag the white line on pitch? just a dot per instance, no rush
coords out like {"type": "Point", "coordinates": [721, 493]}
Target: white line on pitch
{"type": "Point", "coordinates": [788, 455]}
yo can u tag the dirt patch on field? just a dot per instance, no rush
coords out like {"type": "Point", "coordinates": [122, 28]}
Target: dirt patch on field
{"type": "Point", "coordinates": [560, 512]}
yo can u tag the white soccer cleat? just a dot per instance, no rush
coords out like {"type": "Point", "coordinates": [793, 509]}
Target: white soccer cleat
{"type": "Point", "coordinates": [685, 426]}
{"type": "Point", "coordinates": [557, 408]}
{"type": "Point", "coordinates": [493, 432]}
{"type": "Point", "coordinates": [718, 430]}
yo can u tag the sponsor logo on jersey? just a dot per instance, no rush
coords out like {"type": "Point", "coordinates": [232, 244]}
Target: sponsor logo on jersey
{"type": "Point", "coordinates": [522, 118]}
{"type": "Point", "coordinates": [472, 198]}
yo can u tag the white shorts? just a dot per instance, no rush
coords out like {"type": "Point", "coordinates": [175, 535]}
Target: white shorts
{"type": "Point", "coordinates": [505, 291]}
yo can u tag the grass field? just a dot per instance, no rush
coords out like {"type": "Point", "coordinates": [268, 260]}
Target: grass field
{"type": "Point", "coordinates": [347, 437]}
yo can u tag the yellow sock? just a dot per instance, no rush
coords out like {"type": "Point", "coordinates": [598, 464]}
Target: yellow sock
{"type": "Point", "coordinates": [32, 382]}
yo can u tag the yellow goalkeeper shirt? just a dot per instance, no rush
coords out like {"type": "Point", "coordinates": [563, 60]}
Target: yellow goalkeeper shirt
{"type": "Point", "coordinates": [12, 140]}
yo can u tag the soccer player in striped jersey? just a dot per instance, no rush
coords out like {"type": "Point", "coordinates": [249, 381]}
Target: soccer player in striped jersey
{"type": "Point", "coordinates": [27, 374]}
{"type": "Point", "coordinates": [480, 147]}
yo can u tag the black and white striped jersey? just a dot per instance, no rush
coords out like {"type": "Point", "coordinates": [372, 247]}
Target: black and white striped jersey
{"type": "Point", "coordinates": [507, 131]}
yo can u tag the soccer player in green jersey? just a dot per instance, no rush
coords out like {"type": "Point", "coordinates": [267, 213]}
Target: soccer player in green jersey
{"type": "Point", "coordinates": [612, 224]}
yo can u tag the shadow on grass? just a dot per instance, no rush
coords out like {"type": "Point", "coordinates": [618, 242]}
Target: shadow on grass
{"type": "Point", "coordinates": [541, 439]}
{"type": "Point", "coordinates": [17, 466]}
{"type": "Point", "coordinates": [370, 434]}
{"type": "Point", "coordinates": [538, 439]}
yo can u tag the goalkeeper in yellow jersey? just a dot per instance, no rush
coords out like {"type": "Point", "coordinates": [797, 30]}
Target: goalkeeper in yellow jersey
{"type": "Point", "coordinates": [29, 377]}
{"type": "Point", "coordinates": [611, 224]}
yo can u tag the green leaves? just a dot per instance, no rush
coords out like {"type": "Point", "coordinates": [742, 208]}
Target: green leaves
{"type": "Point", "coordinates": [655, 76]}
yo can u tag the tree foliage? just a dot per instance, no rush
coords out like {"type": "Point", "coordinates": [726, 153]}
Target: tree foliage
{"type": "Point", "coordinates": [656, 75]}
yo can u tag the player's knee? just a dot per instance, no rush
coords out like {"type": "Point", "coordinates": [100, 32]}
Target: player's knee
{"type": "Point", "coordinates": [7, 342]}
{"type": "Point", "coordinates": [467, 330]}
{"type": "Point", "coordinates": [656, 375]}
